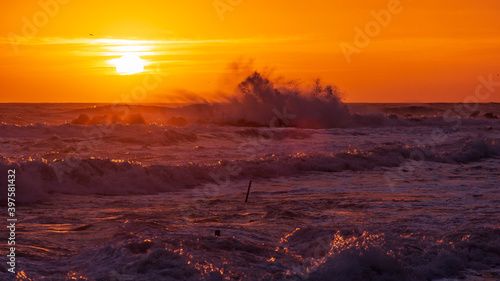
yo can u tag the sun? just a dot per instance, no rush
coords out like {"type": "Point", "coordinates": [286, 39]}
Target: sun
{"type": "Point", "coordinates": [129, 64]}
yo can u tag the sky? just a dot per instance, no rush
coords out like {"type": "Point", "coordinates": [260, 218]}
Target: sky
{"type": "Point", "coordinates": [181, 51]}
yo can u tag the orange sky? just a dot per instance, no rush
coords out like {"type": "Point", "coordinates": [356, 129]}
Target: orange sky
{"type": "Point", "coordinates": [426, 52]}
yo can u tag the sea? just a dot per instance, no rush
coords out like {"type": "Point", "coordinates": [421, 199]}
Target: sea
{"type": "Point", "coordinates": [335, 191]}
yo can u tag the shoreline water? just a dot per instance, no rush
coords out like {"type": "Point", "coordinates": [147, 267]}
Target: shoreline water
{"type": "Point", "coordinates": [142, 201]}
{"type": "Point", "coordinates": [295, 227]}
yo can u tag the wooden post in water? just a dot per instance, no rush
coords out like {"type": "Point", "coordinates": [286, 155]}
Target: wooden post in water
{"type": "Point", "coordinates": [248, 191]}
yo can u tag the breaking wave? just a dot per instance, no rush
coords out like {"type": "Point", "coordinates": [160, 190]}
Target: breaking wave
{"type": "Point", "coordinates": [110, 177]}
{"type": "Point", "coordinates": [258, 101]}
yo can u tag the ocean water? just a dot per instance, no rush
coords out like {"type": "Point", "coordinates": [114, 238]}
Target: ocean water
{"type": "Point", "coordinates": [339, 191]}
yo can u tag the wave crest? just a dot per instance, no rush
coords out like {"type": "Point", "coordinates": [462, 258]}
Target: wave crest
{"type": "Point", "coordinates": [109, 177]}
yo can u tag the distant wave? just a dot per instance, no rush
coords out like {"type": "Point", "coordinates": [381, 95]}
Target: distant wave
{"type": "Point", "coordinates": [66, 137]}
{"type": "Point", "coordinates": [38, 179]}
{"type": "Point", "coordinates": [260, 102]}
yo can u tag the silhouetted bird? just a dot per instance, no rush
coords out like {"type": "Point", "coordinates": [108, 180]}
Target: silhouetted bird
{"type": "Point", "coordinates": [91, 35]}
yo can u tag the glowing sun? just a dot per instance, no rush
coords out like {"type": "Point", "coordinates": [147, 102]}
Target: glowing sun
{"type": "Point", "coordinates": [129, 64]}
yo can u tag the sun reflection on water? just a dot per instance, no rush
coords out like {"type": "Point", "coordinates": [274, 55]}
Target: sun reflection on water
{"type": "Point", "coordinates": [319, 253]}
{"type": "Point", "coordinates": [21, 275]}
